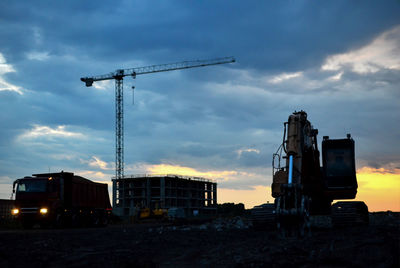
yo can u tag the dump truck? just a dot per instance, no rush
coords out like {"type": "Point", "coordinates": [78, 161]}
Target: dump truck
{"type": "Point", "coordinates": [60, 199]}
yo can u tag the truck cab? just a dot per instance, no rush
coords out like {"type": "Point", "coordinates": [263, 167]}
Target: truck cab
{"type": "Point", "coordinates": [35, 199]}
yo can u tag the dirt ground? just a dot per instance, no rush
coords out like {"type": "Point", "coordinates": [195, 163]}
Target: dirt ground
{"type": "Point", "coordinates": [209, 245]}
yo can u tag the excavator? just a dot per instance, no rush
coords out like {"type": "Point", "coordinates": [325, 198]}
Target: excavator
{"type": "Point", "coordinates": [302, 188]}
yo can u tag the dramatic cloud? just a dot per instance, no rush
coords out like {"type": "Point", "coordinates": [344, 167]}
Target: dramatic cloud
{"type": "Point", "coordinates": [44, 131]}
{"type": "Point", "coordinates": [285, 76]}
{"type": "Point", "coordinates": [382, 53]}
{"type": "Point", "coordinates": [338, 61]}
{"type": "Point", "coordinates": [96, 162]}
{"type": "Point", "coordinates": [40, 56]}
{"type": "Point", "coordinates": [229, 179]}
{"type": "Point", "coordinates": [4, 69]}
{"type": "Point", "coordinates": [250, 150]}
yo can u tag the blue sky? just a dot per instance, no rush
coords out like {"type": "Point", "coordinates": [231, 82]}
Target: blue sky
{"type": "Point", "coordinates": [337, 60]}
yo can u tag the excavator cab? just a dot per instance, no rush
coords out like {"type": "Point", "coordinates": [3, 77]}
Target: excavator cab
{"type": "Point", "coordinates": [338, 168]}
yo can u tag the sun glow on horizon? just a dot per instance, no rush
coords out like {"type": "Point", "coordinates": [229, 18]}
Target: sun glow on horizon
{"type": "Point", "coordinates": [379, 188]}
{"type": "Point", "coordinates": [258, 195]}
{"type": "Point", "coordinates": [188, 171]}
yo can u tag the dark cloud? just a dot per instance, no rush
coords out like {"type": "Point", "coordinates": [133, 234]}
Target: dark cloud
{"type": "Point", "coordinates": [202, 117]}
{"type": "Point", "coordinates": [262, 34]}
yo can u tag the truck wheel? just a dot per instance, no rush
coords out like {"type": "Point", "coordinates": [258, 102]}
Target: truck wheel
{"type": "Point", "coordinates": [96, 220]}
{"type": "Point", "coordinates": [59, 221]}
{"type": "Point", "coordinates": [104, 221]}
{"type": "Point", "coordinates": [75, 220]}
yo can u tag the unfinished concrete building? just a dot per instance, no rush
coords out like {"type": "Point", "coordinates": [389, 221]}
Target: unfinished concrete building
{"type": "Point", "coordinates": [193, 194]}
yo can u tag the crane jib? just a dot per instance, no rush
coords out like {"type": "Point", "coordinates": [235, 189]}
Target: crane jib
{"type": "Point", "coordinates": [119, 74]}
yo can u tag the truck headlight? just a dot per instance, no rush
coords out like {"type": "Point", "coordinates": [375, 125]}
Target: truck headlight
{"type": "Point", "coordinates": [43, 211]}
{"type": "Point", "coordinates": [15, 211]}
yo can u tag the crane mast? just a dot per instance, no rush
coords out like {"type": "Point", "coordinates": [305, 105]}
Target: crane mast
{"type": "Point", "coordinates": [119, 75]}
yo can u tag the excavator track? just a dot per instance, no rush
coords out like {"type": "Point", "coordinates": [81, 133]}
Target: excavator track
{"type": "Point", "coordinates": [263, 216]}
{"type": "Point", "coordinates": [293, 220]}
{"type": "Point", "coordinates": [349, 214]}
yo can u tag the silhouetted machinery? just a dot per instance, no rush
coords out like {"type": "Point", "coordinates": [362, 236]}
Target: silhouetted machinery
{"type": "Point", "coordinates": [302, 188]}
{"type": "Point", "coordinates": [60, 199]}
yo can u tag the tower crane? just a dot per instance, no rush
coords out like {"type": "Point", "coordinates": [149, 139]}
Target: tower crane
{"type": "Point", "coordinates": [119, 75]}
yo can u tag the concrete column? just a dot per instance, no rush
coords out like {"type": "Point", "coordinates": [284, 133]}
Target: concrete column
{"type": "Point", "coordinates": [209, 194]}
{"type": "Point", "coordinates": [114, 191]}
{"type": "Point", "coordinates": [162, 192]}
{"type": "Point", "coordinates": [148, 192]}
{"type": "Point", "coordinates": [214, 202]}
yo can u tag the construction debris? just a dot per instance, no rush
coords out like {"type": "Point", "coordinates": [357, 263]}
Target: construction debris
{"type": "Point", "coordinates": [219, 224]}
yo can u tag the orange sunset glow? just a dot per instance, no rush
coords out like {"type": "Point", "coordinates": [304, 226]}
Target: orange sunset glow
{"type": "Point", "coordinates": [378, 188]}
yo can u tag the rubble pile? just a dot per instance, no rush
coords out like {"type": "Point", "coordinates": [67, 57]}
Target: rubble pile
{"type": "Point", "coordinates": [219, 224]}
